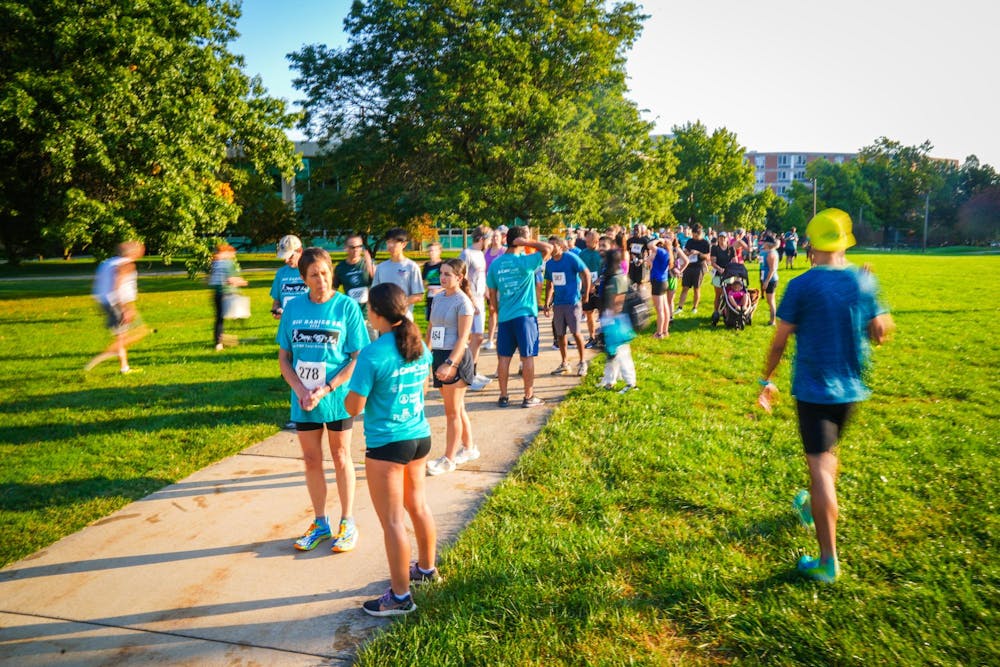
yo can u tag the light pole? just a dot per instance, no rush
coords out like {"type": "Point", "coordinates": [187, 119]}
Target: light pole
{"type": "Point", "coordinates": [927, 209]}
{"type": "Point", "coordinates": [814, 197]}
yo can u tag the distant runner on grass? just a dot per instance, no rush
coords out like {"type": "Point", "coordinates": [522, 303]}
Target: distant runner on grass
{"type": "Point", "coordinates": [834, 311]}
{"type": "Point", "coordinates": [116, 290]}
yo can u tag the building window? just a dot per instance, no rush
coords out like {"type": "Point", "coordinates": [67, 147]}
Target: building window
{"type": "Point", "coordinates": [782, 160]}
{"type": "Point", "coordinates": [800, 175]}
{"type": "Point", "coordinates": [800, 160]}
{"type": "Point", "coordinates": [759, 160]}
{"type": "Point", "coordinates": [782, 175]}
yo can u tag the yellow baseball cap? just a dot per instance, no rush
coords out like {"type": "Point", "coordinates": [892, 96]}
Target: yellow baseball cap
{"type": "Point", "coordinates": [830, 231]}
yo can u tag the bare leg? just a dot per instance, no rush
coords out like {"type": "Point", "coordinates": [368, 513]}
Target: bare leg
{"type": "Point", "coordinates": [697, 297]}
{"type": "Point", "coordinates": [415, 502]}
{"type": "Point", "coordinates": [684, 293]}
{"type": "Point", "coordinates": [528, 374]}
{"type": "Point", "coordinates": [340, 450]}
{"type": "Point", "coordinates": [823, 491]}
{"type": "Point", "coordinates": [579, 344]}
{"type": "Point", "coordinates": [312, 455]}
{"type": "Point", "coordinates": [385, 485]}
{"type": "Point", "coordinates": [456, 418]}
{"type": "Point", "coordinates": [503, 373]}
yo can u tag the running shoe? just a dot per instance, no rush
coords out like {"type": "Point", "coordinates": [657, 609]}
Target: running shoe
{"type": "Point", "coordinates": [590, 344]}
{"type": "Point", "coordinates": [555, 346]}
{"type": "Point", "coordinates": [581, 369]}
{"type": "Point", "coordinates": [488, 345]}
{"type": "Point", "coordinates": [347, 536]}
{"type": "Point", "coordinates": [627, 388]}
{"type": "Point", "coordinates": [418, 576]}
{"type": "Point", "coordinates": [561, 369]}
{"type": "Point", "coordinates": [466, 454]}
{"type": "Point", "coordinates": [440, 466]}
{"type": "Point", "coordinates": [815, 568]}
{"type": "Point", "coordinates": [694, 311]}
{"type": "Point", "coordinates": [532, 402]}
{"type": "Point", "coordinates": [318, 531]}
{"type": "Point", "coordinates": [503, 402]}
{"type": "Point", "coordinates": [802, 505]}
{"type": "Point", "coordinates": [389, 605]}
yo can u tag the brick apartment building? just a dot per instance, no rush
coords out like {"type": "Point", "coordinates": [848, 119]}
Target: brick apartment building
{"type": "Point", "coordinates": [779, 170]}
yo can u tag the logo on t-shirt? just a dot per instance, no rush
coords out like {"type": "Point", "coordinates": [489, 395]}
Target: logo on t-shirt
{"type": "Point", "coordinates": [315, 336]}
{"type": "Point", "coordinates": [294, 288]}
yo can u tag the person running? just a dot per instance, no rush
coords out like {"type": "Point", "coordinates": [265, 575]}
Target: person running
{"type": "Point", "coordinates": [835, 312]}
{"type": "Point", "coordinates": [319, 337]}
{"type": "Point", "coordinates": [475, 262]}
{"type": "Point", "coordinates": [769, 272]}
{"type": "Point", "coordinates": [116, 290]}
{"type": "Point", "coordinates": [494, 248]}
{"type": "Point", "coordinates": [224, 279]}
{"type": "Point", "coordinates": [698, 254]}
{"type": "Point", "coordinates": [287, 281]}
{"type": "Point", "coordinates": [615, 326]}
{"type": "Point", "coordinates": [400, 269]}
{"type": "Point", "coordinates": [353, 274]}
{"type": "Point", "coordinates": [565, 276]}
{"type": "Point", "coordinates": [791, 248]}
{"type": "Point", "coordinates": [430, 272]}
{"type": "Point", "coordinates": [511, 284]}
{"type": "Point", "coordinates": [448, 334]}
{"type": "Point", "coordinates": [388, 385]}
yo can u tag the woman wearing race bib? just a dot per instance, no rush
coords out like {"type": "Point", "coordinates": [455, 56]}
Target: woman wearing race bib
{"type": "Point", "coordinates": [320, 335]}
{"type": "Point", "coordinates": [448, 334]}
{"type": "Point", "coordinates": [388, 384]}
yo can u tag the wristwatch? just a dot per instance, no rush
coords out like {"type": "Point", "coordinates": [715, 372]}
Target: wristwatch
{"type": "Point", "coordinates": [449, 361]}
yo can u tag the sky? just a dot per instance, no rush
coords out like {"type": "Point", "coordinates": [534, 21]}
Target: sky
{"type": "Point", "coordinates": [781, 75]}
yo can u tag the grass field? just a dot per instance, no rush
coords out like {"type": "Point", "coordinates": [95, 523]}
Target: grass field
{"type": "Point", "coordinates": [650, 528]}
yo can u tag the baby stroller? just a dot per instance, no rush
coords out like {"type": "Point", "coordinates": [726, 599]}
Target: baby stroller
{"type": "Point", "coordinates": [738, 301]}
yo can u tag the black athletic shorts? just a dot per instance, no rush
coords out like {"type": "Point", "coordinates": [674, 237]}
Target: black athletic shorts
{"type": "Point", "coordinates": [820, 425]}
{"type": "Point", "coordinates": [401, 451]}
{"type": "Point", "coordinates": [466, 367]}
{"type": "Point", "coordinates": [339, 425]}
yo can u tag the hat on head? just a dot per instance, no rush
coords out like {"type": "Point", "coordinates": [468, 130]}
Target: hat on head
{"type": "Point", "coordinates": [287, 245]}
{"type": "Point", "coordinates": [830, 231]}
{"type": "Point", "coordinates": [767, 237]}
{"type": "Point", "coordinates": [502, 229]}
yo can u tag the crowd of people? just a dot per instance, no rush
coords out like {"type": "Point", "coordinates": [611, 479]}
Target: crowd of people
{"type": "Point", "coordinates": [348, 344]}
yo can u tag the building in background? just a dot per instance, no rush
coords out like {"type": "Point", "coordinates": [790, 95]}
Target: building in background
{"type": "Point", "coordinates": [779, 170]}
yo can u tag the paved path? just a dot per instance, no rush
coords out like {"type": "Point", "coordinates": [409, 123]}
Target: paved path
{"type": "Point", "coordinates": [203, 571]}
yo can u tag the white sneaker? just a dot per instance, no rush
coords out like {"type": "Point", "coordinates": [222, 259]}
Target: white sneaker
{"type": "Point", "coordinates": [581, 368]}
{"type": "Point", "coordinates": [465, 454]}
{"type": "Point", "coordinates": [561, 369]}
{"type": "Point", "coordinates": [440, 466]}
{"type": "Point", "coordinates": [694, 311]}
{"type": "Point", "coordinates": [488, 345]}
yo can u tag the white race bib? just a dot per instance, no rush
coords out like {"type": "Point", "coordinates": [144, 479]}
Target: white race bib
{"type": "Point", "coordinates": [311, 373]}
{"type": "Point", "coordinates": [694, 257]}
{"type": "Point", "coordinates": [636, 248]}
{"type": "Point", "coordinates": [437, 338]}
{"type": "Point", "coordinates": [359, 294]}
{"type": "Point", "coordinates": [558, 278]}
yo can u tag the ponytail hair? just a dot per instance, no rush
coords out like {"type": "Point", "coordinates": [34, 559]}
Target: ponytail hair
{"type": "Point", "coordinates": [389, 301]}
{"type": "Point", "coordinates": [460, 269]}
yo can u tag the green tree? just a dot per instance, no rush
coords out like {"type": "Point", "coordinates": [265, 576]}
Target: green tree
{"type": "Point", "coordinates": [897, 178]}
{"type": "Point", "coordinates": [751, 211]}
{"type": "Point", "coordinates": [482, 112]}
{"type": "Point", "coordinates": [713, 171]}
{"type": "Point", "coordinates": [115, 121]}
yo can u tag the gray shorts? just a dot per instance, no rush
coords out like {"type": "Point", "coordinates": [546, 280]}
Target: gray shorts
{"type": "Point", "coordinates": [566, 318]}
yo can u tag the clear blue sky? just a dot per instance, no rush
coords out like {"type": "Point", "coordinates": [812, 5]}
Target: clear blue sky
{"type": "Point", "coordinates": [782, 75]}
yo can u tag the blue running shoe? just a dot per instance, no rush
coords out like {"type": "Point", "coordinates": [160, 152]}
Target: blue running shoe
{"type": "Point", "coordinates": [418, 576]}
{"type": "Point", "coordinates": [802, 504]}
{"type": "Point", "coordinates": [347, 536]}
{"type": "Point", "coordinates": [318, 531]}
{"type": "Point", "coordinates": [389, 605]}
{"type": "Point", "coordinates": [815, 568]}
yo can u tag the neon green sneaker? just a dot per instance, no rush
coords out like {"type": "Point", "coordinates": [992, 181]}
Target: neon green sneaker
{"type": "Point", "coordinates": [346, 538]}
{"type": "Point", "coordinates": [318, 531]}
{"type": "Point", "coordinates": [815, 568]}
{"type": "Point", "coordinates": [802, 504]}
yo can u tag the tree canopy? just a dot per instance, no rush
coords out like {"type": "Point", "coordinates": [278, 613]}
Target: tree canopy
{"type": "Point", "coordinates": [483, 112]}
{"type": "Point", "coordinates": [115, 121]}
{"type": "Point", "coordinates": [714, 173]}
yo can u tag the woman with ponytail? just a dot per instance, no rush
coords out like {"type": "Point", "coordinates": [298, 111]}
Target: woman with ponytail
{"type": "Point", "coordinates": [448, 332]}
{"type": "Point", "coordinates": [388, 384]}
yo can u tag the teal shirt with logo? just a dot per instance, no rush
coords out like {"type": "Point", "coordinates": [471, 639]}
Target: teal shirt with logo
{"type": "Point", "coordinates": [287, 285]}
{"type": "Point", "coordinates": [513, 277]}
{"type": "Point", "coordinates": [395, 392]}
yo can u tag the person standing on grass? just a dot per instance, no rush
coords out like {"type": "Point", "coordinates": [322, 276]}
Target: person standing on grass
{"type": "Point", "coordinates": [511, 284]}
{"type": "Point", "coordinates": [791, 248]}
{"type": "Point", "coordinates": [388, 384]}
{"type": "Point", "coordinates": [116, 290]}
{"type": "Point", "coordinates": [475, 262]}
{"type": "Point", "coordinates": [661, 261]}
{"type": "Point", "coordinates": [354, 273]}
{"type": "Point", "coordinates": [287, 281]}
{"type": "Point", "coordinates": [698, 254]}
{"type": "Point", "coordinates": [400, 269]}
{"type": "Point", "coordinates": [565, 276]}
{"type": "Point", "coordinates": [319, 337]}
{"type": "Point", "coordinates": [834, 311]}
{"type": "Point", "coordinates": [769, 272]}
{"type": "Point", "coordinates": [721, 254]}
{"type": "Point", "coordinates": [447, 334]}
{"type": "Point", "coordinates": [224, 279]}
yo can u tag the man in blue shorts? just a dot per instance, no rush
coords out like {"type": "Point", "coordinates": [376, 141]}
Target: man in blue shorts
{"type": "Point", "coordinates": [834, 311]}
{"type": "Point", "coordinates": [511, 284]}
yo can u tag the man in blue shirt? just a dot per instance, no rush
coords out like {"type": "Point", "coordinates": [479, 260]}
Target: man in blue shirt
{"type": "Point", "coordinates": [834, 311]}
{"type": "Point", "coordinates": [565, 274]}
{"type": "Point", "coordinates": [511, 284]}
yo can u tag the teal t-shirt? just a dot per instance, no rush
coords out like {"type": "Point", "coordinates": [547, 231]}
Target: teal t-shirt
{"type": "Point", "coordinates": [321, 338]}
{"type": "Point", "coordinates": [592, 259]}
{"type": "Point", "coordinates": [395, 391]}
{"type": "Point", "coordinates": [513, 277]}
{"type": "Point", "coordinates": [287, 285]}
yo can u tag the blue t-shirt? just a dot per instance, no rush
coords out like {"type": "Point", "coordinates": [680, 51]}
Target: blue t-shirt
{"type": "Point", "coordinates": [287, 284]}
{"type": "Point", "coordinates": [321, 338]}
{"type": "Point", "coordinates": [831, 309]}
{"type": "Point", "coordinates": [661, 264]}
{"type": "Point", "coordinates": [513, 277]}
{"type": "Point", "coordinates": [565, 274]}
{"type": "Point", "coordinates": [395, 391]}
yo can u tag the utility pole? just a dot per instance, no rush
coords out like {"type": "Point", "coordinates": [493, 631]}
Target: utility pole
{"type": "Point", "coordinates": [814, 197]}
{"type": "Point", "coordinates": [927, 209]}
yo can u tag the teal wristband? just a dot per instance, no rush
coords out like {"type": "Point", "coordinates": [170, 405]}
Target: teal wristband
{"type": "Point", "coordinates": [762, 382]}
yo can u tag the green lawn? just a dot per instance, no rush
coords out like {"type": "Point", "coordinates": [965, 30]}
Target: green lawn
{"type": "Point", "coordinates": [650, 528]}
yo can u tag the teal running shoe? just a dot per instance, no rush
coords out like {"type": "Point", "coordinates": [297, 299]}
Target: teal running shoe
{"type": "Point", "coordinates": [318, 531]}
{"type": "Point", "coordinates": [347, 536]}
{"type": "Point", "coordinates": [815, 568]}
{"type": "Point", "coordinates": [802, 504]}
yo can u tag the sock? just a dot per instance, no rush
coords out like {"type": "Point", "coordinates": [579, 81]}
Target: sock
{"type": "Point", "coordinates": [401, 598]}
{"type": "Point", "coordinates": [423, 571]}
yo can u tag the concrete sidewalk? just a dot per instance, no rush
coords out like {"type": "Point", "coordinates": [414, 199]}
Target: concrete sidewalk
{"type": "Point", "coordinates": [203, 571]}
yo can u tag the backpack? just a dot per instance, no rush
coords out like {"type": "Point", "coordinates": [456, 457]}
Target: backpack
{"type": "Point", "coordinates": [637, 309]}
